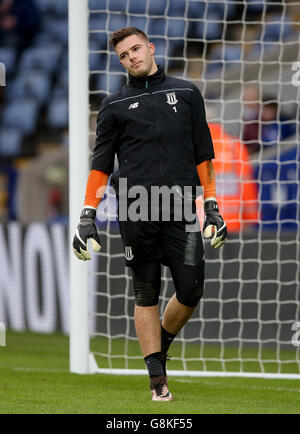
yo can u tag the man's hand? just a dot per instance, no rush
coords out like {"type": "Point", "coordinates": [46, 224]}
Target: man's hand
{"type": "Point", "coordinates": [214, 225]}
{"type": "Point", "coordinates": [85, 230]}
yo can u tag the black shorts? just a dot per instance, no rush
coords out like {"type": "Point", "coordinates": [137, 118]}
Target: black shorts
{"type": "Point", "coordinates": [166, 242]}
{"type": "Point", "coordinates": [175, 244]}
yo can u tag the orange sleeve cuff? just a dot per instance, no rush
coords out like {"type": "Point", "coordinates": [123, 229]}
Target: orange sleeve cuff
{"type": "Point", "coordinates": [207, 178]}
{"type": "Point", "coordinates": [95, 188]}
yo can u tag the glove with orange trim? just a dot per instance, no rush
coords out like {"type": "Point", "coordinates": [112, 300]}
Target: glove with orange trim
{"type": "Point", "coordinates": [214, 225]}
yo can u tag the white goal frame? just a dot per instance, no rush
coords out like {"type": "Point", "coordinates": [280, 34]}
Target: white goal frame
{"type": "Point", "coordinates": [78, 167]}
{"type": "Point", "coordinates": [82, 360]}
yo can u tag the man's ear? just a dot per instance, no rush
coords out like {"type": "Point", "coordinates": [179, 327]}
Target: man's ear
{"type": "Point", "coordinates": [152, 48]}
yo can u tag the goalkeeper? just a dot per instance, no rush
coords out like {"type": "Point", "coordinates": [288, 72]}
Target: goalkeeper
{"type": "Point", "coordinates": [156, 125]}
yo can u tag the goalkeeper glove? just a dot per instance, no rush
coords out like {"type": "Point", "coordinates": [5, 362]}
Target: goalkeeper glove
{"type": "Point", "coordinates": [214, 225]}
{"type": "Point", "coordinates": [85, 230]}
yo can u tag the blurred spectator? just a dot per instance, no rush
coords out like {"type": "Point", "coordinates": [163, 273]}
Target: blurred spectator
{"type": "Point", "coordinates": [293, 11]}
{"type": "Point", "coordinates": [275, 126]}
{"type": "Point", "coordinates": [263, 123]}
{"type": "Point", "coordinates": [19, 23]}
{"type": "Point", "coordinates": [43, 187]}
{"type": "Point", "coordinates": [251, 110]}
{"type": "Point", "coordinates": [237, 192]}
{"type": "Point", "coordinates": [8, 182]}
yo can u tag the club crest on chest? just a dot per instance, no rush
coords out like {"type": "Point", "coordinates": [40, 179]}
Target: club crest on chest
{"type": "Point", "coordinates": [171, 98]}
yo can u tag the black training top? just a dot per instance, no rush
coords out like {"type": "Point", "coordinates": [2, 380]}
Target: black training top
{"type": "Point", "coordinates": [157, 127]}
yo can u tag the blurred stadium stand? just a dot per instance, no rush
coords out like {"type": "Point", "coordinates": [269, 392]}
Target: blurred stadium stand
{"type": "Point", "coordinates": [36, 95]}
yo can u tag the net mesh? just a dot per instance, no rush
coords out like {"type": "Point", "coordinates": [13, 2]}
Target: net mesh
{"type": "Point", "coordinates": [243, 57]}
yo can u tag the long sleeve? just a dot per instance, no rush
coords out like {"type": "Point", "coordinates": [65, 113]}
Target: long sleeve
{"type": "Point", "coordinates": [106, 140]}
{"type": "Point", "coordinates": [202, 141]}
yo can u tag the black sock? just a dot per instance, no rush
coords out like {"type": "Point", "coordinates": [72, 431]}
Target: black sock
{"type": "Point", "coordinates": [166, 340]}
{"type": "Point", "coordinates": [154, 366]}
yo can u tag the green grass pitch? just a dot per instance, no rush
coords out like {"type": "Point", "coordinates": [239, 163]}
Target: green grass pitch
{"type": "Point", "coordinates": [34, 379]}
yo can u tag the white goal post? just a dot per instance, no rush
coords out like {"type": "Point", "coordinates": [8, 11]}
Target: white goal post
{"type": "Point", "coordinates": [248, 322]}
{"type": "Point", "coordinates": [78, 169]}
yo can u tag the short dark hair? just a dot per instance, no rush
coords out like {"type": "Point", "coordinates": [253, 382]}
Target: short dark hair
{"type": "Point", "coordinates": [270, 102]}
{"type": "Point", "coordinates": [121, 34]}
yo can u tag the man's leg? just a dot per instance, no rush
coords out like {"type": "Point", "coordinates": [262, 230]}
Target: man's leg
{"type": "Point", "coordinates": [148, 329]}
{"type": "Point", "coordinates": [146, 282]}
{"type": "Point", "coordinates": [176, 315]}
{"type": "Point", "coordinates": [146, 279]}
{"type": "Point", "coordinates": [188, 281]}
{"type": "Point", "coordinates": [144, 241]}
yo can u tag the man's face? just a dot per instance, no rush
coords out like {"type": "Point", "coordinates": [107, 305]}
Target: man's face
{"type": "Point", "coordinates": [136, 55]}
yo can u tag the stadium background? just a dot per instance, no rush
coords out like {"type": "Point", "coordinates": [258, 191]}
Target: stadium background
{"type": "Point", "coordinates": [221, 46]}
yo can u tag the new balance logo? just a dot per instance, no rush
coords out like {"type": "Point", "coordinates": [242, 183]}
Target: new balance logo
{"type": "Point", "coordinates": [133, 106]}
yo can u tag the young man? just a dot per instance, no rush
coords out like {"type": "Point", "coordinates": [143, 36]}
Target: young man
{"type": "Point", "coordinates": [156, 125]}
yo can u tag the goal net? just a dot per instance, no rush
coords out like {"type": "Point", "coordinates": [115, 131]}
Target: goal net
{"type": "Point", "coordinates": [243, 56]}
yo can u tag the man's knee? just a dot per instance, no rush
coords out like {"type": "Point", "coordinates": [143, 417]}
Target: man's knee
{"type": "Point", "coordinates": [190, 296]}
{"type": "Point", "coordinates": [146, 294]}
{"type": "Point", "coordinates": [189, 283]}
{"type": "Point", "coordinates": [146, 283]}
